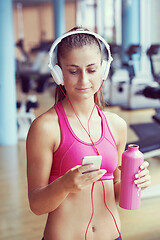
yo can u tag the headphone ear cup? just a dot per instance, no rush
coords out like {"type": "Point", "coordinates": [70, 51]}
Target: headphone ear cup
{"type": "Point", "coordinates": [104, 69]}
{"type": "Point", "coordinates": [57, 75]}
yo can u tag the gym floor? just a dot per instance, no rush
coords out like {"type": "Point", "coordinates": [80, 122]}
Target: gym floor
{"type": "Point", "coordinates": [17, 222]}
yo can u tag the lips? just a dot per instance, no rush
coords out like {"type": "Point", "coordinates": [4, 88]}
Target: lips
{"type": "Point", "coordinates": [82, 89]}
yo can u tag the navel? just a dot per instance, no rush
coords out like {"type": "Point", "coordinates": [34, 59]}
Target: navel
{"type": "Point", "coordinates": [93, 229]}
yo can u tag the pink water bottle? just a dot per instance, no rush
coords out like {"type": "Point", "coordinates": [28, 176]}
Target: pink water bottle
{"type": "Point", "coordinates": [130, 194]}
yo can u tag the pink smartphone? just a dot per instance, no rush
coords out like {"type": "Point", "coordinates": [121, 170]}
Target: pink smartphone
{"type": "Point", "coordinates": [95, 160]}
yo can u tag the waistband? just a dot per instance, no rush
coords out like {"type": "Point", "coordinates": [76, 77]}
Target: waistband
{"type": "Point", "coordinates": [115, 239]}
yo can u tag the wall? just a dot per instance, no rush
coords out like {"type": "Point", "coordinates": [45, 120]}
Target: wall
{"type": "Point", "coordinates": [38, 22]}
{"type": "Point", "coordinates": [70, 12]}
{"type": "Point", "coordinates": [155, 20]}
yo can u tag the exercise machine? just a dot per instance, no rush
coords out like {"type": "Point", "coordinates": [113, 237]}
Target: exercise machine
{"type": "Point", "coordinates": [115, 89]}
{"type": "Point", "coordinates": [154, 92]}
{"type": "Point", "coordinates": [137, 83]}
{"type": "Point", "coordinates": [25, 115]}
{"type": "Point", "coordinates": [125, 86]}
{"type": "Point", "coordinates": [34, 78]}
{"type": "Point", "coordinates": [149, 133]}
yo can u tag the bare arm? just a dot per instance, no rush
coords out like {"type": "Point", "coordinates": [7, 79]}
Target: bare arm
{"type": "Point", "coordinates": [121, 143]}
{"type": "Point", "coordinates": [43, 197]}
{"type": "Point", "coordinates": [119, 130]}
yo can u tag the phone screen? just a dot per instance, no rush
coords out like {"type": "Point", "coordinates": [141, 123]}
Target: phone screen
{"type": "Point", "coordinates": [95, 160]}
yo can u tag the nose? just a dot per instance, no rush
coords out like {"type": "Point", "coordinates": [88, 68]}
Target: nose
{"type": "Point", "coordinates": [84, 77]}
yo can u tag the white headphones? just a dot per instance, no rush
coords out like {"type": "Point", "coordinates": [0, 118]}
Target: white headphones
{"type": "Point", "coordinates": [56, 70]}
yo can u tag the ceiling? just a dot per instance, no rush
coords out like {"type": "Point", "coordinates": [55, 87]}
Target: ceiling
{"type": "Point", "coordinates": [36, 1]}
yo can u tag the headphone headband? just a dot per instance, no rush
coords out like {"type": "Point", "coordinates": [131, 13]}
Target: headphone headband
{"type": "Point", "coordinates": [58, 40]}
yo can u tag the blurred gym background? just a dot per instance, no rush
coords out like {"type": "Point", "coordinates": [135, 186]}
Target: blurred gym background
{"type": "Point", "coordinates": [27, 30]}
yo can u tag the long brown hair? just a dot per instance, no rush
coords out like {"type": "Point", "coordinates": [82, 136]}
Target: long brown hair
{"type": "Point", "coordinates": [76, 41]}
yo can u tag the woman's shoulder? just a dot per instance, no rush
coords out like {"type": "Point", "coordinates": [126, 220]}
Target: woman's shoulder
{"type": "Point", "coordinates": [117, 124]}
{"type": "Point", "coordinates": [46, 119]}
{"type": "Point", "coordinates": [44, 126]}
{"type": "Point", "coordinates": [114, 118]}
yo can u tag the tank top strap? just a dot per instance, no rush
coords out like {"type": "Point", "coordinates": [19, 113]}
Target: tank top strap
{"type": "Point", "coordinates": [106, 129]}
{"type": "Point", "coordinates": [62, 121]}
{"type": "Point", "coordinates": [59, 110]}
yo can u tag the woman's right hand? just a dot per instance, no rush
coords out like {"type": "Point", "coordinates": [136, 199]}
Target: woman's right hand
{"type": "Point", "coordinates": [77, 178]}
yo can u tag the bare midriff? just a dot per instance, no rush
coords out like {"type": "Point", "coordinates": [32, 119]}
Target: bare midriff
{"type": "Point", "coordinates": [69, 221]}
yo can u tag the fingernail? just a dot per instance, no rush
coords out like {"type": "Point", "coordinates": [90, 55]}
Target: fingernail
{"type": "Point", "coordinates": [103, 171]}
{"type": "Point", "coordinates": [142, 167]}
{"type": "Point", "coordinates": [135, 181]}
{"type": "Point", "coordinates": [136, 176]}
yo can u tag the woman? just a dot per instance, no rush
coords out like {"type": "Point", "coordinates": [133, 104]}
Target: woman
{"type": "Point", "coordinates": [72, 194]}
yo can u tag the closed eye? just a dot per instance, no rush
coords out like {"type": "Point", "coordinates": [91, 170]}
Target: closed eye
{"type": "Point", "coordinates": [91, 71]}
{"type": "Point", "coordinates": [73, 72]}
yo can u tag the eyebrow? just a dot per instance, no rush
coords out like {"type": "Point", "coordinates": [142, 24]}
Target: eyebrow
{"type": "Point", "coordinates": [74, 65]}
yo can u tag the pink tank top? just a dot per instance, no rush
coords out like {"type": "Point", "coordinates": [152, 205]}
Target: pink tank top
{"type": "Point", "coordinates": [71, 149]}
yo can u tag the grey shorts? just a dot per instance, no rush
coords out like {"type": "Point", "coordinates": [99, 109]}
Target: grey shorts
{"type": "Point", "coordinates": [115, 239]}
{"type": "Point", "coordinates": [119, 238]}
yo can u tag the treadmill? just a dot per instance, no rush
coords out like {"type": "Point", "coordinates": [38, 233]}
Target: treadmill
{"type": "Point", "coordinates": [149, 133]}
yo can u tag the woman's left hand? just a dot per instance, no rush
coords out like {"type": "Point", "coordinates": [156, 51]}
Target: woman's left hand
{"type": "Point", "coordinates": [143, 178]}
